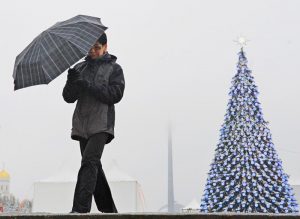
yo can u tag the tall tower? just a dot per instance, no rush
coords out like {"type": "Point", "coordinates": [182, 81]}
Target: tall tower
{"type": "Point", "coordinates": [172, 206]}
{"type": "Point", "coordinates": [170, 172]}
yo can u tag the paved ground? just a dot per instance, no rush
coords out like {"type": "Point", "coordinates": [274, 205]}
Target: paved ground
{"type": "Point", "coordinates": [149, 216]}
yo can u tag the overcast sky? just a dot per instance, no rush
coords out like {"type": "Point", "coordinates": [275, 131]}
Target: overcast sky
{"type": "Point", "coordinates": [178, 59]}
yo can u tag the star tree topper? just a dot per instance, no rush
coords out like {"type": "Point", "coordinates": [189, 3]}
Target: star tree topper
{"type": "Point", "coordinates": [242, 41]}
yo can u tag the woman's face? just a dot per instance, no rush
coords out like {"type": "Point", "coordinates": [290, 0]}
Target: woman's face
{"type": "Point", "coordinates": [97, 50]}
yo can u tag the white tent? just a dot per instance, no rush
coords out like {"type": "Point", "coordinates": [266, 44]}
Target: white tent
{"type": "Point", "coordinates": [55, 194]}
{"type": "Point", "coordinates": [296, 187]}
{"type": "Point", "coordinates": [193, 206]}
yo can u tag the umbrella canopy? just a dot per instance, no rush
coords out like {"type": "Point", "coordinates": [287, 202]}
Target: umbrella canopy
{"type": "Point", "coordinates": [55, 50]}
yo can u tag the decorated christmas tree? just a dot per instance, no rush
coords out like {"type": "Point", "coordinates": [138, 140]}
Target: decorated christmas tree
{"type": "Point", "coordinates": [246, 174]}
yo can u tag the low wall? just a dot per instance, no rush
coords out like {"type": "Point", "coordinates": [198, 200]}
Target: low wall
{"type": "Point", "coordinates": [150, 216]}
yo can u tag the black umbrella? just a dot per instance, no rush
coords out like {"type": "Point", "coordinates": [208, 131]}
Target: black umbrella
{"type": "Point", "coordinates": [55, 50]}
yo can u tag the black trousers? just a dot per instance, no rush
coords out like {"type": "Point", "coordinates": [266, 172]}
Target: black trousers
{"type": "Point", "coordinates": [91, 178]}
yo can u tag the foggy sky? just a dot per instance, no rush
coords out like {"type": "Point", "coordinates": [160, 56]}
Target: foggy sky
{"type": "Point", "coordinates": [178, 59]}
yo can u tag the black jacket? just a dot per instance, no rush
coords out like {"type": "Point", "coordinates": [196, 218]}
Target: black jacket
{"type": "Point", "coordinates": [95, 110]}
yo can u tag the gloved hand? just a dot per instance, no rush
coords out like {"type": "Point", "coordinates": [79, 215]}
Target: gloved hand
{"type": "Point", "coordinates": [73, 75]}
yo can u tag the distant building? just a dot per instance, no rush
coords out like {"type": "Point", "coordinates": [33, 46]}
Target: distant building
{"type": "Point", "coordinates": [8, 202]}
{"type": "Point", "coordinates": [4, 183]}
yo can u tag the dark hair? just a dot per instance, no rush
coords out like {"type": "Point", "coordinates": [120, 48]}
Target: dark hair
{"type": "Point", "coordinates": [102, 39]}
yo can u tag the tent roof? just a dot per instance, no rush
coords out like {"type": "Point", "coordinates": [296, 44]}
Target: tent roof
{"type": "Point", "coordinates": [68, 173]}
{"type": "Point", "coordinates": [193, 205]}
